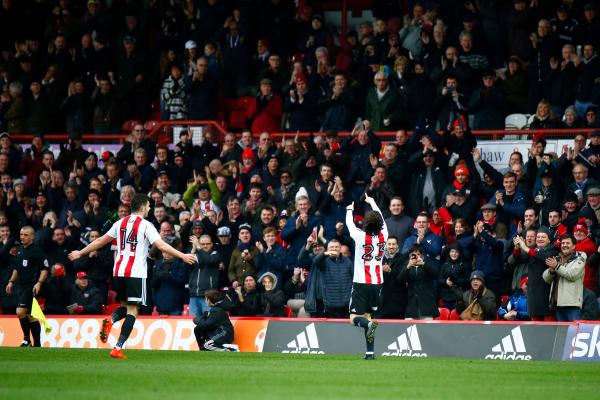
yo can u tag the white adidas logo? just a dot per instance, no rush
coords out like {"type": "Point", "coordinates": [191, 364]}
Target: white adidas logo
{"type": "Point", "coordinates": [512, 347]}
{"type": "Point", "coordinates": [406, 345]}
{"type": "Point", "coordinates": [306, 342]}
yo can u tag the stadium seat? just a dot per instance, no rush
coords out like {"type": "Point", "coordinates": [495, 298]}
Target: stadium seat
{"type": "Point", "coordinates": [236, 117]}
{"type": "Point", "coordinates": [288, 311]}
{"type": "Point", "coordinates": [112, 297]}
{"type": "Point", "coordinates": [515, 121]}
{"type": "Point", "coordinates": [109, 309]}
{"type": "Point", "coordinates": [150, 125]}
{"type": "Point", "coordinates": [454, 316]}
{"type": "Point", "coordinates": [128, 125]}
{"type": "Point", "coordinates": [444, 314]}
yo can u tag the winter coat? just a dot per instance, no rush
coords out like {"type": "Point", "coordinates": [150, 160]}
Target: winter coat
{"type": "Point", "coordinates": [238, 268]}
{"type": "Point", "coordinates": [339, 113]}
{"type": "Point", "coordinates": [422, 298]}
{"type": "Point", "coordinates": [517, 302]}
{"type": "Point", "coordinates": [458, 273]}
{"type": "Point", "coordinates": [265, 113]}
{"type": "Point", "coordinates": [388, 107]}
{"type": "Point", "coordinates": [489, 256]}
{"type": "Point", "coordinates": [168, 285]}
{"type": "Point", "coordinates": [175, 97]}
{"type": "Point", "coordinates": [273, 300]}
{"type": "Point", "coordinates": [216, 324]}
{"type": "Point", "coordinates": [566, 284]}
{"type": "Point", "coordinates": [297, 237]}
{"type": "Point", "coordinates": [205, 273]}
{"type": "Point", "coordinates": [415, 202]}
{"type": "Point", "coordinates": [512, 211]}
{"type": "Point", "coordinates": [517, 264]}
{"type": "Point", "coordinates": [89, 297]}
{"type": "Point", "coordinates": [432, 244]}
{"type": "Point", "coordinates": [486, 299]}
{"type": "Point", "coordinates": [393, 293]}
{"type": "Point", "coordinates": [538, 291]}
{"type": "Point", "coordinates": [337, 279]}
{"type": "Point", "coordinates": [272, 261]}
{"type": "Point", "coordinates": [360, 164]}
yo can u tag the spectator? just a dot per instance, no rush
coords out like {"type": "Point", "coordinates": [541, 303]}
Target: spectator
{"type": "Point", "coordinates": [169, 276]}
{"type": "Point", "coordinates": [399, 224]}
{"type": "Point", "coordinates": [565, 275]}
{"type": "Point", "coordinates": [383, 102]}
{"type": "Point", "coordinates": [270, 258]}
{"type": "Point", "coordinates": [85, 299]}
{"type": "Point", "coordinates": [453, 273]}
{"type": "Point", "coordinates": [272, 298]}
{"type": "Point", "coordinates": [420, 275]}
{"type": "Point", "coordinates": [175, 95]}
{"type": "Point", "coordinates": [243, 257]}
{"type": "Point", "coordinates": [338, 105]}
{"type": "Point", "coordinates": [515, 309]}
{"type": "Point", "coordinates": [248, 299]}
{"type": "Point", "coordinates": [478, 303]}
{"type": "Point", "coordinates": [266, 109]}
{"type": "Point", "coordinates": [337, 271]}
{"type": "Point", "coordinates": [202, 87]}
{"type": "Point", "coordinates": [204, 274]}
{"type": "Point", "coordinates": [539, 291]}
{"type": "Point", "coordinates": [430, 243]}
{"type": "Point", "coordinates": [487, 103]}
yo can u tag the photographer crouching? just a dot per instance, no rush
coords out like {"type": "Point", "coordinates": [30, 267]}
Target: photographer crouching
{"type": "Point", "coordinates": [214, 331]}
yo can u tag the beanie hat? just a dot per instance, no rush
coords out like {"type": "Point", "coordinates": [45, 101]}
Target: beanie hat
{"type": "Point", "coordinates": [461, 170]}
{"type": "Point", "coordinates": [248, 153]}
{"type": "Point", "coordinates": [523, 281]}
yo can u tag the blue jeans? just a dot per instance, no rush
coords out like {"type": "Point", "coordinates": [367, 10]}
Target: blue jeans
{"type": "Point", "coordinates": [568, 314]}
{"type": "Point", "coordinates": [198, 305]}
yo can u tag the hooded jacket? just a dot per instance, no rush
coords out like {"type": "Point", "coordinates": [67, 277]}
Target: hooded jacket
{"type": "Point", "coordinates": [215, 323]}
{"type": "Point", "coordinates": [205, 273]}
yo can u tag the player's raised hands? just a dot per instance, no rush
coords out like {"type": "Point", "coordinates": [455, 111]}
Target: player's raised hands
{"type": "Point", "coordinates": [189, 259]}
{"type": "Point", "coordinates": [369, 199]}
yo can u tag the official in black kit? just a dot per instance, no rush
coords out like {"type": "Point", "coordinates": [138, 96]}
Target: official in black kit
{"type": "Point", "coordinates": [30, 270]}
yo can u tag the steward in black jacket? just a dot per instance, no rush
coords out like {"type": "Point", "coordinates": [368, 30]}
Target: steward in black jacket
{"type": "Point", "coordinates": [213, 329]}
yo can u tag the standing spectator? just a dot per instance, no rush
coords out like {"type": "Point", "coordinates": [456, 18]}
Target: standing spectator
{"type": "Point", "coordinates": [399, 224]}
{"type": "Point", "coordinates": [565, 275]}
{"type": "Point", "coordinates": [337, 279]}
{"type": "Point", "coordinates": [420, 275]}
{"type": "Point", "coordinates": [265, 110]}
{"type": "Point", "coordinates": [243, 257]}
{"type": "Point", "coordinates": [204, 274]}
{"type": "Point", "coordinates": [489, 252]}
{"type": "Point", "coordinates": [175, 96]}
{"type": "Point", "coordinates": [301, 106]}
{"type": "Point", "coordinates": [97, 265]}
{"type": "Point", "coordinates": [539, 291]}
{"type": "Point", "coordinates": [338, 105]}
{"type": "Point", "coordinates": [104, 107]}
{"type": "Point", "coordinates": [270, 258]}
{"type": "Point", "coordinates": [430, 243]}
{"type": "Point", "coordinates": [487, 103]}
{"type": "Point", "coordinates": [393, 293]}
{"type": "Point", "coordinates": [202, 87]}
{"type": "Point", "coordinates": [76, 108]}
{"type": "Point", "coordinates": [510, 203]}
{"type": "Point", "coordinates": [297, 228]}
{"type": "Point", "coordinates": [454, 272]}
{"type": "Point", "coordinates": [169, 276]}
{"type": "Point", "coordinates": [383, 105]}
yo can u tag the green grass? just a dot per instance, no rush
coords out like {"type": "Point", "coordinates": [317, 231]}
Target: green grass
{"type": "Point", "coordinates": [57, 374]}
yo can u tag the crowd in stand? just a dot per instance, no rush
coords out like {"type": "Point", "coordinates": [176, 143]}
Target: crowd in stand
{"type": "Point", "coordinates": [267, 219]}
{"type": "Point", "coordinates": [96, 64]}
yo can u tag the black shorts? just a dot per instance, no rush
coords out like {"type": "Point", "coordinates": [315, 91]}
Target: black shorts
{"type": "Point", "coordinates": [130, 290]}
{"type": "Point", "coordinates": [25, 296]}
{"type": "Point", "coordinates": [365, 298]}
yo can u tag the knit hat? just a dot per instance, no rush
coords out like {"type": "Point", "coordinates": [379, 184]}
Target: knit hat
{"type": "Point", "coordinates": [477, 275]}
{"type": "Point", "coordinates": [544, 229]}
{"type": "Point", "coordinates": [461, 170]}
{"type": "Point", "coordinates": [300, 78]}
{"type": "Point", "coordinates": [580, 227]}
{"type": "Point", "coordinates": [460, 121]}
{"type": "Point", "coordinates": [523, 282]}
{"type": "Point", "coordinates": [248, 153]}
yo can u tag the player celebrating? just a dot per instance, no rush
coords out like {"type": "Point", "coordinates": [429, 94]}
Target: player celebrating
{"type": "Point", "coordinates": [134, 236]}
{"type": "Point", "coordinates": [368, 270]}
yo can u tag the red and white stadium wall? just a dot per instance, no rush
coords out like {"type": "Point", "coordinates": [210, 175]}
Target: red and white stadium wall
{"type": "Point", "coordinates": [488, 340]}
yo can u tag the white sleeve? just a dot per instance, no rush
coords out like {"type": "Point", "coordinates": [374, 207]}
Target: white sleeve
{"type": "Point", "coordinates": [151, 233]}
{"type": "Point", "coordinates": [350, 224]}
{"type": "Point", "coordinates": [384, 229]}
{"type": "Point", "coordinates": [113, 232]}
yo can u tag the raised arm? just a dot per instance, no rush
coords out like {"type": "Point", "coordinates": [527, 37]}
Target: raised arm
{"type": "Point", "coordinates": [95, 245]}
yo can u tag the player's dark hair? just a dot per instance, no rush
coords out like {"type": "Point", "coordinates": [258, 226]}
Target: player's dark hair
{"type": "Point", "coordinates": [213, 295]}
{"type": "Point", "coordinates": [373, 223]}
{"type": "Point", "coordinates": [139, 201]}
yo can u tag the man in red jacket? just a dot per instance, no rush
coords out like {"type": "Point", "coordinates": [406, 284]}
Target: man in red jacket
{"type": "Point", "coordinates": [586, 245]}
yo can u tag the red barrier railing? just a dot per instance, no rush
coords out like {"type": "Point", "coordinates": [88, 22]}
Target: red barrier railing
{"type": "Point", "coordinates": [162, 132]}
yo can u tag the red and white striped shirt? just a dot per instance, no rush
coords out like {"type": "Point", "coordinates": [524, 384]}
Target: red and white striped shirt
{"type": "Point", "coordinates": [368, 252]}
{"type": "Point", "coordinates": [134, 236]}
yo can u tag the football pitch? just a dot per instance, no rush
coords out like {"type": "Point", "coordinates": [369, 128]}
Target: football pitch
{"type": "Point", "coordinates": [90, 374]}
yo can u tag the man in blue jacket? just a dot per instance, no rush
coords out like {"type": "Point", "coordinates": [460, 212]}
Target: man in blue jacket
{"type": "Point", "coordinates": [510, 203]}
{"type": "Point", "coordinates": [429, 241]}
{"type": "Point", "coordinates": [297, 229]}
{"type": "Point", "coordinates": [271, 255]}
